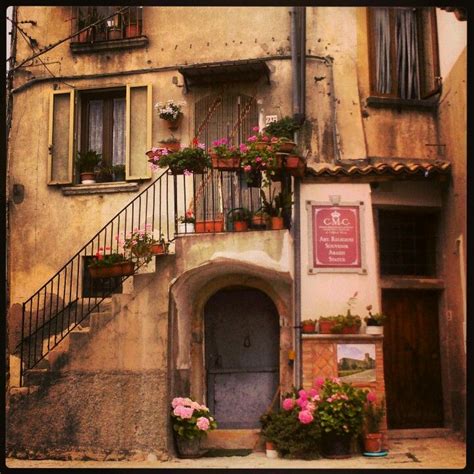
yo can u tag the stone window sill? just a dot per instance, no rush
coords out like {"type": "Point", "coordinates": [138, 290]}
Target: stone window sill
{"type": "Point", "coordinates": [395, 103]}
{"type": "Point", "coordinates": [99, 188]}
{"type": "Point", "coordinates": [127, 43]}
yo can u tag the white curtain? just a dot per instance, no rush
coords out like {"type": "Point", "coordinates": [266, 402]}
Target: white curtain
{"type": "Point", "coordinates": [96, 125]}
{"type": "Point", "coordinates": [383, 82]}
{"type": "Point", "coordinates": [118, 157]}
{"type": "Point", "coordinates": [407, 53]}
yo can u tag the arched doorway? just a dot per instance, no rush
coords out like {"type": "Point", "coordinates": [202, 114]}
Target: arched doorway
{"type": "Point", "coordinates": [242, 339]}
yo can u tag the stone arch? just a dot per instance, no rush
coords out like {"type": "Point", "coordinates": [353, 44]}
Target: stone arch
{"type": "Point", "coordinates": [189, 294]}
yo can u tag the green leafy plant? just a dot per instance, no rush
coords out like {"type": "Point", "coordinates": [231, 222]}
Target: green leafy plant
{"type": "Point", "coordinates": [240, 214]}
{"type": "Point", "coordinates": [341, 407]}
{"type": "Point", "coordinates": [346, 321]}
{"type": "Point", "coordinates": [308, 321]}
{"type": "Point", "coordinates": [373, 413]}
{"type": "Point", "coordinates": [190, 419]}
{"type": "Point", "coordinates": [104, 173]}
{"type": "Point", "coordinates": [86, 161]}
{"type": "Point", "coordinates": [283, 128]}
{"type": "Point", "coordinates": [187, 160]}
{"type": "Point", "coordinates": [118, 172]}
{"type": "Point", "coordinates": [103, 259]}
{"type": "Point", "coordinates": [375, 319]}
{"type": "Point", "coordinates": [277, 203]}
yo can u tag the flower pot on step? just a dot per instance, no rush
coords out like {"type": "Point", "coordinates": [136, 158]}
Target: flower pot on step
{"type": "Point", "coordinates": [240, 226]}
{"type": "Point", "coordinates": [158, 249]}
{"type": "Point", "coordinates": [373, 442]}
{"type": "Point", "coordinates": [336, 446]}
{"type": "Point", "coordinates": [277, 223]}
{"type": "Point", "coordinates": [188, 448]}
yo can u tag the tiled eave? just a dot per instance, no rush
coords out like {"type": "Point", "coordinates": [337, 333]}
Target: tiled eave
{"type": "Point", "coordinates": [379, 171]}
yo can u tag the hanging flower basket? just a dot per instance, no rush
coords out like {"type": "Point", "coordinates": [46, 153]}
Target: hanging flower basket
{"type": "Point", "coordinates": [286, 146]}
{"type": "Point", "coordinates": [158, 249]}
{"type": "Point", "coordinates": [295, 165]}
{"type": "Point", "coordinates": [174, 124]}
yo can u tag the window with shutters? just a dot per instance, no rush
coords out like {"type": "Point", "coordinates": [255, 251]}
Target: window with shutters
{"type": "Point", "coordinates": [114, 122]}
{"type": "Point", "coordinates": [403, 52]}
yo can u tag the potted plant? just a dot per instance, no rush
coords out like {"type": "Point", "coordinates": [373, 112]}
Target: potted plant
{"type": "Point", "coordinates": [326, 324]}
{"type": "Point", "coordinates": [172, 144]}
{"type": "Point", "coordinates": [185, 161]}
{"type": "Point", "coordinates": [240, 218]}
{"type": "Point", "coordinates": [275, 206]}
{"type": "Point", "coordinates": [308, 325]}
{"type": "Point", "coordinates": [186, 223]}
{"type": "Point", "coordinates": [374, 322]}
{"type": "Point", "coordinates": [294, 430]}
{"type": "Point", "coordinates": [118, 172]}
{"type": "Point", "coordinates": [83, 21]}
{"type": "Point", "coordinates": [210, 225]}
{"type": "Point", "coordinates": [191, 422]}
{"type": "Point", "coordinates": [104, 173]}
{"type": "Point", "coordinates": [259, 219]}
{"type": "Point", "coordinates": [132, 23]}
{"type": "Point", "coordinates": [223, 156]}
{"type": "Point", "coordinates": [86, 161]}
{"type": "Point", "coordinates": [114, 32]}
{"type": "Point", "coordinates": [110, 265]}
{"type": "Point", "coordinates": [138, 243]}
{"type": "Point", "coordinates": [373, 416]}
{"type": "Point", "coordinates": [159, 246]}
{"type": "Point", "coordinates": [284, 129]}
{"type": "Point", "coordinates": [340, 411]}
{"type": "Point", "coordinates": [100, 30]}
{"type": "Point", "coordinates": [347, 324]}
{"type": "Point", "coordinates": [170, 112]}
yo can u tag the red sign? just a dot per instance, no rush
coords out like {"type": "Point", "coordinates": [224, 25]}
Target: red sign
{"type": "Point", "coordinates": [336, 236]}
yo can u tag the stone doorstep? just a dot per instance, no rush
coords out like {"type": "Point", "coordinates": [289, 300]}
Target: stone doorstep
{"type": "Point", "coordinates": [233, 439]}
{"type": "Point", "coordinates": [419, 433]}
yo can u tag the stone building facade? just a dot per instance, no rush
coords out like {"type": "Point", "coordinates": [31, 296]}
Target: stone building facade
{"type": "Point", "coordinates": [388, 149]}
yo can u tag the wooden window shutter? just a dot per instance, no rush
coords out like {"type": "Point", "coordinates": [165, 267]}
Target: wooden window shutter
{"type": "Point", "coordinates": [61, 137]}
{"type": "Point", "coordinates": [138, 131]}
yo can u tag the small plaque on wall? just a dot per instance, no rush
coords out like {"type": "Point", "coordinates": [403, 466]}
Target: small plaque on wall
{"type": "Point", "coordinates": [336, 237]}
{"type": "Point", "coordinates": [356, 362]}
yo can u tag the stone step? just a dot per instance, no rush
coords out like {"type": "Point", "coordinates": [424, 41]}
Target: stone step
{"type": "Point", "coordinates": [78, 337]}
{"type": "Point", "coordinates": [99, 320]}
{"type": "Point", "coordinates": [415, 433]}
{"type": "Point", "coordinates": [234, 439]}
{"type": "Point", "coordinates": [35, 376]}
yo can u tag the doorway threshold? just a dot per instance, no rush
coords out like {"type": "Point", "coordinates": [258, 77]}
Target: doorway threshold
{"type": "Point", "coordinates": [413, 433]}
{"type": "Point", "coordinates": [233, 439]}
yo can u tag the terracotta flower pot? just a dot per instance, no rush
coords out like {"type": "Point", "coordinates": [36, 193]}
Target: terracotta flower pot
{"type": "Point", "coordinates": [114, 34]}
{"type": "Point", "coordinates": [270, 450]}
{"type": "Point", "coordinates": [210, 226]}
{"type": "Point", "coordinates": [287, 147]}
{"type": "Point", "coordinates": [84, 36]}
{"type": "Point", "coordinates": [261, 146]}
{"type": "Point", "coordinates": [295, 165]}
{"type": "Point", "coordinates": [158, 249]}
{"type": "Point", "coordinates": [326, 326]}
{"type": "Point", "coordinates": [309, 328]}
{"type": "Point", "coordinates": [350, 330]}
{"type": "Point", "coordinates": [174, 124]}
{"type": "Point", "coordinates": [88, 177]}
{"type": "Point", "coordinates": [277, 223]}
{"type": "Point", "coordinates": [171, 146]}
{"type": "Point", "coordinates": [373, 442]}
{"type": "Point", "coordinates": [240, 226]}
{"type": "Point", "coordinates": [225, 164]}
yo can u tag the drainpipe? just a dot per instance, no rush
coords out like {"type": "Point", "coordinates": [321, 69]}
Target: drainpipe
{"type": "Point", "coordinates": [298, 100]}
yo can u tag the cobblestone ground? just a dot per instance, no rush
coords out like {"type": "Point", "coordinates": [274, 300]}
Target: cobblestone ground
{"type": "Point", "coordinates": [440, 453]}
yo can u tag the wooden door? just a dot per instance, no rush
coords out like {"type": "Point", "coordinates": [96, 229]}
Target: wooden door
{"type": "Point", "coordinates": [412, 359]}
{"type": "Point", "coordinates": [242, 356]}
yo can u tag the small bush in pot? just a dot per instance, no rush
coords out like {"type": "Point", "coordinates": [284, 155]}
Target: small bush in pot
{"type": "Point", "coordinates": [283, 128]}
{"type": "Point", "coordinates": [308, 325]}
{"type": "Point", "coordinates": [87, 161]}
{"type": "Point", "coordinates": [373, 415]}
{"type": "Point", "coordinates": [326, 323]}
{"type": "Point", "coordinates": [347, 324]}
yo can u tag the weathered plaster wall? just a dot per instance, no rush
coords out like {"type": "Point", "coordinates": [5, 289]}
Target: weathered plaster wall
{"type": "Point", "coordinates": [453, 127]}
{"type": "Point", "coordinates": [325, 294]}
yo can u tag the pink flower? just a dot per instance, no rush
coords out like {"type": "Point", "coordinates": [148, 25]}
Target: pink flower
{"type": "Point", "coordinates": [288, 404]}
{"type": "Point", "coordinates": [215, 143]}
{"type": "Point", "coordinates": [302, 402]}
{"type": "Point", "coordinates": [247, 168]}
{"type": "Point", "coordinates": [265, 138]}
{"type": "Point", "coordinates": [202, 423]}
{"type": "Point", "coordinates": [178, 401]}
{"type": "Point", "coordinates": [183, 412]}
{"type": "Point", "coordinates": [318, 382]}
{"type": "Point", "coordinates": [187, 173]}
{"type": "Point", "coordinates": [243, 148]}
{"type": "Point", "coordinates": [336, 379]}
{"type": "Point", "coordinates": [303, 394]}
{"type": "Point", "coordinates": [201, 146]}
{"type": "Point", "coordinates": [371, 397]}
{"type": "Point", "coordinates": [330, 399]}
{"type": "Point", "coordinates": [253, 138]}
{"type": "Point", "coordinates": [305, 417]}
{"type": "Point", "coordinates": [258, 159]}
{"type": "Point", "coordinates": [311, 407]}
{"type": "Point", "coordinates": [255, 129]}
{"type": "Point", "coordinates": [274, 139]}
{"type": "Point", "coordinates": [312, 392]}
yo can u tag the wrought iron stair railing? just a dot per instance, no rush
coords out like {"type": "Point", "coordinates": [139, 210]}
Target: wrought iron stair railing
{"type": "Point", "coordinates": [64, 301]}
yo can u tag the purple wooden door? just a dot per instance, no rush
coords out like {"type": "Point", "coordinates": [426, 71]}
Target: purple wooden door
{"type": "Point", "coordinates": [242, 356]}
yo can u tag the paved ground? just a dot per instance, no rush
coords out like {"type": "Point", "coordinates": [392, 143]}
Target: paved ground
{"type": "Point", "coordinates": [441, 453]}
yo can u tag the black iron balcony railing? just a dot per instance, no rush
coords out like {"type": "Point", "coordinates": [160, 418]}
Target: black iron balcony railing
{"type": "Point", "coordinates": [64, 301]}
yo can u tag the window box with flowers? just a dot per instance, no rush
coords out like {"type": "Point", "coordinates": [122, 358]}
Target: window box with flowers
{"type": "Point", "coordinates": [170, 112]}
{"type": "Point", "coordinates": [109, 265]}
{"type": "Point", "coordinates": [224, 157]}
{"type": "Point", "coordinates": [191, 422]}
